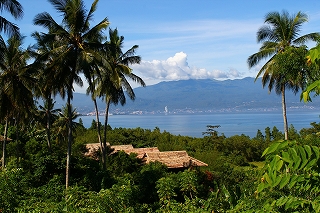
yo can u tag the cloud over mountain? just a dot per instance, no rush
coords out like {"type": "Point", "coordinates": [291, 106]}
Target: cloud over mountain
{"type": "Point", "coordinates": [177, 68]}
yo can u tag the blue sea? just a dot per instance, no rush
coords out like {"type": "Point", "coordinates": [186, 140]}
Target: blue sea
{"type": "Point", "coordinates": [194, 124]}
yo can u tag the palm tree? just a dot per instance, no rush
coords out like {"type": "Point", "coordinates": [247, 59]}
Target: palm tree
{"type": "Point", "coordinates": [17, 83]}
{"type": "Point", "coordinates": [77, 44]}
{"type": "Point", "coordinates": [91, 90]}
{"type": "Point", "coordinates": [45, 53]}
{"type": "Point", "coordinates": [62, 122]}
{"type": "Point", "coordinates": [113, 83]}
{"type": "Point", "coordinates": [15, 9]}
{"type": "Point", "coordinates": [281, 32]}
{"type": "Point", "coordinates": [47, 115]}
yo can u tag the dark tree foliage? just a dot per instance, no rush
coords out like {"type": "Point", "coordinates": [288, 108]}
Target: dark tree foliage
{"type": "Point", "coordinates": [211, 130]}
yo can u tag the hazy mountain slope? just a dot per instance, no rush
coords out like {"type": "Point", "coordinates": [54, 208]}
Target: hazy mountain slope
{"type": "Point", "coordinates": [201, 95]}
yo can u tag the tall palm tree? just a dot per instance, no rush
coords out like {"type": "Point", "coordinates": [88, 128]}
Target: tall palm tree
{"type": "Point", "coordinates": [77, 44]}
{"type": "Point", "coordinates": [280, 32]}
{"type": "Point", "coordinates": [91, 90]}
{"type": "Point", "coordinates": [16, 10]}
{"type": "Point", "coordinates": [17, 83]}
{"type": "Point", "coordinates": [45, 71]}
{"type": "Point", "coordinates": [113, 83]}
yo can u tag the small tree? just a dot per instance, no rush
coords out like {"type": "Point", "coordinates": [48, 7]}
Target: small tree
{"type": "Point", "coordinates": [211, 130]}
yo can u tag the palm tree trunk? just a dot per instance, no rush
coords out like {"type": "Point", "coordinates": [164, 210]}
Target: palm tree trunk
{"type": "Point", "coordinates": [91, 86]}
{"type": "Point", "coordinates": [49, 100]}
{"type": "Point", "coordinates": [48, 131]}
{"type": "Point", "coordinates": [98, 125]}
{"type": "Point", "coordinates": [105, 134]}
{"type": "Point", "coordinates": [17, 138]}
{"type": "Point", "coordinates": [284, 112]}
{"type": "Point", "coordinates": [69, 137]}
{"type": "Point", "coordinates": [4, 145]}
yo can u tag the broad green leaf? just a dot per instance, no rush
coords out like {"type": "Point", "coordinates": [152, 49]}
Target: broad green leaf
{"type": "Point", "coordinates": [316, 151]}
{"type": "Point", "coordinates": [274, 163]}
{"type": "Point", "coordinates": [271, 148]}
{"type": "Point", "coordinates": [314, 53]}
{"type": "Point", "coordinates": [302, 153]}
{"type": "Point", "coordinates": [285, 180]}
{"type": "Point", "coordinates": [310, 164]}
{"type": "Point", "coordinates": [303, 164]}
{"type": "Point", "coordinates": [283, 144]}
{"type": "Point", "coordinates": [293, 181]}
{"type": "Point", "coordinates": [307, 148]}
{"type": "Point", "coordinates": [273, 176]}
{"type": "Point", "coordinates": [307, 187]}
{"type": "Point", "coordinates": [293, 203]}
{"type": "Point", "coordinates": [316, 206]}
{"type": "Point", "coordinates": [297, 163]}
{"type": "Point", "coordinates": [267, 179]}
{"type": "Point", "coordinates": [296, 203]}
{"type": "Point", "coordinates": [261, 187]}
{"type": "Point", "coordinates": [286, 157]}
{"type": "Point", "coordinates": [281, 201]}
{"type": "Point", "coordinates": [306, 97]}
{"type": "Point", "coordinates": [279, 165]}
{"type": "Point", "coordinates": [293, 154]}
{"type": "Point", "coordinates": [306, 94]}
{"type": "Point", "coordinates": [300, 178]}
{"type": "Point", "coordinates": [289, 203]}
{"type": "Point", "coordinates": [276, 181]}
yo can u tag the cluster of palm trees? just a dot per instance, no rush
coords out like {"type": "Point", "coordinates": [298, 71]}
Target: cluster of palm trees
{"type": "Point", "coordinates": [61, 55]}
{"type": "Point", "coordinates": [284, 50]}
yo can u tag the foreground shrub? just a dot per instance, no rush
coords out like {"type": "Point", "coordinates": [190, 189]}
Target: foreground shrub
{"type": "Point", "coordinates": [12, 186]}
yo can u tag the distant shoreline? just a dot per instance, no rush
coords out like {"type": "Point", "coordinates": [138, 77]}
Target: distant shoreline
{"type": "Point", "coordinates": [221, 111]}
{"type": "Point", "coordinates": [194, 124]}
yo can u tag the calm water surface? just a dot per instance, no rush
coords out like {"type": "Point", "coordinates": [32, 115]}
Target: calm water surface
{"type": "Point", "coordinates": [194, 124]}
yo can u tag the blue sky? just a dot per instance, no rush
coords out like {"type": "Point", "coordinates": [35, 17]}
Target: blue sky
{"type": "Point", "coordinates": [183, 39]}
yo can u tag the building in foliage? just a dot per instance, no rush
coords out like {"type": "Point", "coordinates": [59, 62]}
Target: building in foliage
{"type": "Point", "coordinates": [172, 159]}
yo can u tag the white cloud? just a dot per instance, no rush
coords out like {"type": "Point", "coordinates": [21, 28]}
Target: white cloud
{"type": "Point", "coordinates": [177, 68]}
{"type": "Point", "coordinates": [172, 69]}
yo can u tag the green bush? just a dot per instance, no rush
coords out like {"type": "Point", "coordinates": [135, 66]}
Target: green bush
{"type": "Point", "coordinates": [12, 187]}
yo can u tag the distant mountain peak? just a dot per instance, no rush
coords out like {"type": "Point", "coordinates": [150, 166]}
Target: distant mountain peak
{"type": "Point", "coordinates": [200, 95]}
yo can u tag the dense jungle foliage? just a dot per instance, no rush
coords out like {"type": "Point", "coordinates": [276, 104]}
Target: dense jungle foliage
{"type": "Point", "coordinates": [239, 178]}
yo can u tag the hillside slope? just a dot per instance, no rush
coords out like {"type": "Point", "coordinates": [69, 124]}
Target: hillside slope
{"type": "Point", "coordinates": [200, 95]}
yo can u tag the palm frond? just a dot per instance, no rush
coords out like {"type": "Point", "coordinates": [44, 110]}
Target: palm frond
{"type": "Point", "coordinates": [45, 20]}
{"type": "Point", "coordinates": [261, 55]}
{"type": "Point", "coordinates": [59, 5]}
{"type": "Point", "coordinates": [96, 33]}
{"type": "Point", "coordinates": [93, 8]}
{"type": "Point", "coordinates": [306, 38]}
{"type": "Point", "coordinates": [8, 27]}
{"type": "Point", "coordinates": [13, 7]}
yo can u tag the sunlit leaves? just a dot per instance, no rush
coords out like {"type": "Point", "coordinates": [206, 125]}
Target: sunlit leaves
{"type": "Point", "coordinates": [292, 167]}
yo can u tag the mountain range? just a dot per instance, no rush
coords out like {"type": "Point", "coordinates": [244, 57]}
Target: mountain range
{"type": "Point", "coordinates": [203, 95]}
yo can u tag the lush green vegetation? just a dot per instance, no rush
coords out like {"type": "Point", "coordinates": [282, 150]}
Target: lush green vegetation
{"type": "Point", "coordinates": [240, 177]}
{"type": "Point", "coordinates": [43, 164]}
